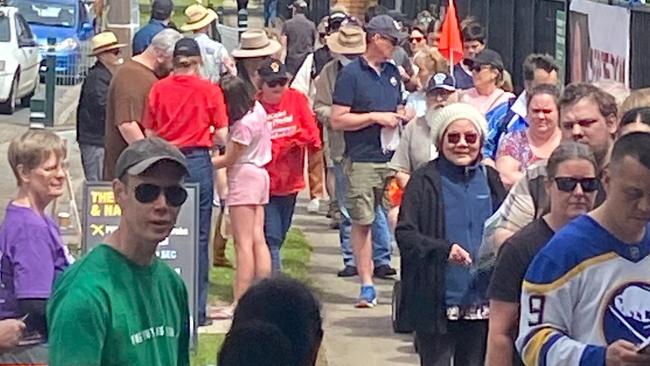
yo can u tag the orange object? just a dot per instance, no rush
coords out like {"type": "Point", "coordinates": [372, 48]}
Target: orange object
{"type": "Point", "coordinates": [395, 193]}
{"type": "Point", "coordinates": [451, 42]}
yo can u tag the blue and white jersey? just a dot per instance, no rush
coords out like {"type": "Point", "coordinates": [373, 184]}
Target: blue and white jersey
{"type": "Point", "coordinates": [585, 290]}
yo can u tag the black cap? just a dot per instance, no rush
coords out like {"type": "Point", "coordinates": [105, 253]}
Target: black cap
{"type": "Point", "coordinates": [441, 81]}
{"type": "Point", "coordinates": [187, 47]}
{"type": "Point", "coordinates": [385, 26]}
{"type": "Point", "coordinates": [142, 154]}
{"type": "Point", "coordinates": [301, 4]}
{"type": "Point", "coordinates": [486, 57]}
{"type": "Point", "coordinates": [272, 70]}
{"type": "Point", "coordinates": [162, 9]}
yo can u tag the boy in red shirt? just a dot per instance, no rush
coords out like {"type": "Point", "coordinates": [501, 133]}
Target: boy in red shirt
{"type": "Point", "coordinates": [293, 127]}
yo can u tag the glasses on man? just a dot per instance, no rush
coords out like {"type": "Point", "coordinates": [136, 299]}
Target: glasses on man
{"type": "Point", "coordinates": [416, 39]}
{"type": "Point", "coordinates": [276, 83]}
{"type": "Point", "coordinates": [569, 184]}
{"type": "Point", "coordinates": [454, 137]}
{"type": "Point", "coordinates": [147, 193]}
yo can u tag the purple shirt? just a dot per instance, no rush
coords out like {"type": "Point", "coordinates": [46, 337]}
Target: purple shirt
{"type": "Point", "coordinates": [31, 258]}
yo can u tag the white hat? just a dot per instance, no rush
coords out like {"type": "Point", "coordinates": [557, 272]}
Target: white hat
{"type": "Point", "coordinates": [440, 119]}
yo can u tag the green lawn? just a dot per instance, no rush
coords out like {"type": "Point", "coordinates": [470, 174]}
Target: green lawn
{"type": "Point", "coordinates": [295, 254]}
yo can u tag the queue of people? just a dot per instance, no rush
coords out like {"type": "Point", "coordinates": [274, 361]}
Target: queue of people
{"type": "Point", "coordinates": [441, 160]}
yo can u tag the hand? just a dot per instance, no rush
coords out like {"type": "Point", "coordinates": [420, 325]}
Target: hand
{"type": "Point", "coordinates": [230, 66]}
{"type": "Point", "coordinates": [623, 352]}
{"type": "Point", "coordinates": [459, 256]}
{"type": "Point", "coordinates": [10, 332]}
{"type": "Point", "coordinates": [406, 113]}
{"type": "Point", "coordinates": [386, 119]}
{"type": "Point", "coordinates": [402, 72]}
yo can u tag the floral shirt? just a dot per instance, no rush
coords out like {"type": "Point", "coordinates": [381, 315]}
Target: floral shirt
{"type": "Point", "coordinates": [516, 145]}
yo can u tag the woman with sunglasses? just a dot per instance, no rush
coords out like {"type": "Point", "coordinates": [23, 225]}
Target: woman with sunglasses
{"type": "Point", "coordinates": [190, 113]}
{"type": "Point", "coordinates": [293, 128]}
{"type": "Point", "coordinates": [439, 231]}
{"type": "Point", "coordinates": [247, 152]}
{"type": "Point", "coordinates": [571, 186]}
{"type": "Point", "coordinates": [417, 41]}
{"type": "Point", "coordinates": [520, 149]}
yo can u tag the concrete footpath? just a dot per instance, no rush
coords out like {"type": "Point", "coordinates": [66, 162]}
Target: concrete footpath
{"type": "Point", "coordinates": [352, 336]}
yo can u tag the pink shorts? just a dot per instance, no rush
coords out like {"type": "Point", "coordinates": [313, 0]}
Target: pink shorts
{"type": "Point", "coordinates": [247, 185]}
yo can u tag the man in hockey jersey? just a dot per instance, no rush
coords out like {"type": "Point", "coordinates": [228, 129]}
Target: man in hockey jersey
{"type": "Point", "coordinates": [586, 296]}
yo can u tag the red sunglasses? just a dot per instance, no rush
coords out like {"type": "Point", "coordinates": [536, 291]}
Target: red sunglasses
{"type": "Point", "coordinates": [454, 137]}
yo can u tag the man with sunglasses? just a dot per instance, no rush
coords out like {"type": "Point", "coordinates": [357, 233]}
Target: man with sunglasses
{"type": "Point", "coordinates": [586, 296]}
{"type": "Point", "coordinates": [91, 113]}
{"type": "Point", "coordinates": [588, 115]}
{"type": "Point", "coordinates": [367, 106]}
{"type": "Point", "coordinates": [120, 304]}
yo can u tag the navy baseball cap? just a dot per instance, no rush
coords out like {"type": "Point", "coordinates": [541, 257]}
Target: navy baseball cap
{"type": "Point", "coordinates": [486, 57]}
{"type": "Point", "coordinates": [272, 70]}
{"type": "Point", "coordinates": [441, 81]}
{"type": "Point", "coordinates": [187, 47]}
{"type": "Point", "coordinates": [385, 26]}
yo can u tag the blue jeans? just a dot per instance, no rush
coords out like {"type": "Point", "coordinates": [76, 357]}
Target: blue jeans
{"type": "Point", "coordinates": [277, 221]}
{"type": "Point", "coordinates": [381, 245]}
{"type": "Point", "coordinates": [270, 11]}
{"type": "Point", "coordinates": [201, 172]}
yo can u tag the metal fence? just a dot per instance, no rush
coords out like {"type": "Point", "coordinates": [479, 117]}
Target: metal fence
{"type": "Point", "coordinates": [229, 36]}
{"type": "Point", "coordinates": [72, 64]}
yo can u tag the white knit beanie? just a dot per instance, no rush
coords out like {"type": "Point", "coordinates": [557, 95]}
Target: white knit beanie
{"type": "Point", "coordinates": [440, 119]}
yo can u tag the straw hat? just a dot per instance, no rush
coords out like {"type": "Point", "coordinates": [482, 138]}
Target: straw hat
{"type": "Point", "coordinates": [349, 40]}
{"type": "Point", "coordinates": [199, 16]}
{"type": "Point", "coordinates": [255, 43]}
{"type": "Point", "coordinates": [103, 42]}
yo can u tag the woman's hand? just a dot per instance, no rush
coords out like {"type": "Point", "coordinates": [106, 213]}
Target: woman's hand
{"type": "Point", "coordinates": [459, 256]}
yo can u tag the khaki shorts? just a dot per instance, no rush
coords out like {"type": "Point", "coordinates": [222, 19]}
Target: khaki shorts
{"type": "Point", "coordinates": [367, 184]}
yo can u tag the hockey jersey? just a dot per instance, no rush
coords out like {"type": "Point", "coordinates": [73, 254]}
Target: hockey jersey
{"type": "Point", "coordinates": [584, 290]}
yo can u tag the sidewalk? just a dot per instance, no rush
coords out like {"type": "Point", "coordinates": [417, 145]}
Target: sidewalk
{"type": "Point", "coordinates": [352, 336]}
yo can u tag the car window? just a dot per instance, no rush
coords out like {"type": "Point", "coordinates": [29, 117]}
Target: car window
{"type": "Point", "coordinates": [46, 12]}
{"type": "Point", "coordinates": [5, 30]}
{"type": "Point", "coordinates": [24, 31]}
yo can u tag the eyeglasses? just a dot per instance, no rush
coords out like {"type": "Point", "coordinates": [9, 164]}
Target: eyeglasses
{"type": "Point", "coordinates": [479, 68]}
{"type": "Point", "coordinates": [454, 137]}
{"type": "Point", "coordinates": [568, 184]}
{"type": "Point", "coordinates": [568, 125]}
{"type": "Point", "coordinates": [416, 39]}
{"type": "Point", "coordinates": [147, 193]}
{"type": "Point", "coordinates": [390, 39]}
{"type": "Point", "coordinates": [276, 83]}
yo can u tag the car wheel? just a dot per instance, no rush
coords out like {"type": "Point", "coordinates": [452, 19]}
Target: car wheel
{"type": "Point", "coordinates": [26, 101]}
{"type": "Point", "coordinates": [9, 106]}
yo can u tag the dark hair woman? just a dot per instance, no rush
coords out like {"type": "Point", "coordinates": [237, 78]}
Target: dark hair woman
{"type": "Point", "coordinates": [439, 232]}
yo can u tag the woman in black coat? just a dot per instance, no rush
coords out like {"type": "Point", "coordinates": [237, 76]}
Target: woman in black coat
{"type": "Point", "coordinates": [439, 232]}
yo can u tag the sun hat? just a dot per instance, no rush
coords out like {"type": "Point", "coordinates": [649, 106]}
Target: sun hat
{"type": "Point", "coordinates": [199, 17]}
{"type": "Point", "coordinates": [255, 43]}
{"type": "Point", "coordinates": [442, 118]}
{"type": "Point", "coordinates": [349, 40]}
{"type": "Point", "coordinates": [103, 42]}
{"type": "Point", "coordinates": [143, 154]}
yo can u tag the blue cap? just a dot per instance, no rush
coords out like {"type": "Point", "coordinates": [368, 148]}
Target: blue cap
{"type": "Point", "coordinates": [441, 81]}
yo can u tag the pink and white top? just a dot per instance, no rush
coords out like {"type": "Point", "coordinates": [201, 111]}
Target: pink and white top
{"type": "Point", "coordinates": [485, 103]}
{"type": "Point", "coordinates": [253, 132]}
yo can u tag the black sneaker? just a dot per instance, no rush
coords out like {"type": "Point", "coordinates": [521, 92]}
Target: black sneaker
{"type": "Point", "coordinates": [348, 271]}
{"type": "Point", "coordinates": [385, 272]}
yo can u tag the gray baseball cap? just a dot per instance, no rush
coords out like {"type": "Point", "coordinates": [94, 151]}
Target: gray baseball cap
{"type": "Point", "coordinates": [143, 154]}
{"type": "Point", "coordinates": [386, 26]}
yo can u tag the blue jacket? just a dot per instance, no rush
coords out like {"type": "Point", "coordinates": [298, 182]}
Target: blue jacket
{"type": "Point", "coordinates": [143, 37]}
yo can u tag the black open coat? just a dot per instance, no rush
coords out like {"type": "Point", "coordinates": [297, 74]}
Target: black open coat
{"type": "Point", "coordinates": [424, 250]}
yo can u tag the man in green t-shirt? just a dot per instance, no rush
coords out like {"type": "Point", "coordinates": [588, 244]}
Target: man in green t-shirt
{"type": "Point", "coordinates": [120, 305]}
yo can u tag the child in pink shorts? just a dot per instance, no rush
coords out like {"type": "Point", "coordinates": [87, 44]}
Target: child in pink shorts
{"type": "Point", "coordinates": [247, 152]}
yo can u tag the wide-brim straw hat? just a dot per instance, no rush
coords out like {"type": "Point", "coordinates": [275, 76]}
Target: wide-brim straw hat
{"type": "Point", "coordinates": [199, 16]}
{"type": "Point", "coordinates": [103, 42]}
{"type": "Point", "coordinates": [349, 40]}
{"type": "Point", "coordinates": [256, 43]}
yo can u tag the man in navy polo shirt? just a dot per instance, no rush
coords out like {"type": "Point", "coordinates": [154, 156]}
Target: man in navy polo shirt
{"type": "Point", "coordinates": [368, 107]}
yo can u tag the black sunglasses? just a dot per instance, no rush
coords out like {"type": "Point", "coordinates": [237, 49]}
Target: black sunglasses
{"type": "Point", "coordinates": [147, 193]}
{"type": "Point", "coordinates": [279, 82]}
{"type": "Point", "coordinates": [568, 184]}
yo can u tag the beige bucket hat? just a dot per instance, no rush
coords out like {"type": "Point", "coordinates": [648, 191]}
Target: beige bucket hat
{"type": "Point", "coordinates": [255, 43]}
{"type": "Point", "coordinates": [199, 16]}
{"type": "Point", "coordinates": [103, 42]}
{"type": "Point", "coordinates": [349, 40]}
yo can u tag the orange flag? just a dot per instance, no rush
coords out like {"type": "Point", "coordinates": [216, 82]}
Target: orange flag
{"type": "Point", "coordinates": [451, 43]}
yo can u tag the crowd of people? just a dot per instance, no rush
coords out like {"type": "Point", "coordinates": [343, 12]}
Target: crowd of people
{"type": "Point", "coordinates": [521, 220]}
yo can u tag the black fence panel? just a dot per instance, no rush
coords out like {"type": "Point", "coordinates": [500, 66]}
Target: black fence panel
{"type": "Point", "coordinates": [500, 29]}
{"type": "Point", "coordinates": [639, 45]}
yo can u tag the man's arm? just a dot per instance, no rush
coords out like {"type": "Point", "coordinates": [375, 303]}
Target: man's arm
{"type": "Point", "coordinates": [516, 211]}
{"type": "Point", "coordinates": [130, 131]}
{"type": "Point", "coordinates": [503, 324]}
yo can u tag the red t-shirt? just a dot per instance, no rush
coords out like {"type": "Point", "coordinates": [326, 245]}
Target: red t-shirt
{"type": "Point", "coordinates": [185, 110]}
{"type": "Point", "coordinates": [293, 127]}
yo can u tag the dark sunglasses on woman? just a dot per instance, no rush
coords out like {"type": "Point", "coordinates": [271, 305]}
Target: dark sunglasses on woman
{"type": "Point", "coordinates": [454, 137]}
{"type": "Point", "coordinates": [568, 184]}
{"type": "Point", "coordinates": [279, 82]}
{"type": "Point", "coordinates": [147, 193]}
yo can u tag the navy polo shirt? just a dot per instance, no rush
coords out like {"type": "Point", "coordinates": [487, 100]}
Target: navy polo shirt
{"type": "Point", "coordinates": [143, 37]}
{"type": "Point", "coordinates": [361, 88]}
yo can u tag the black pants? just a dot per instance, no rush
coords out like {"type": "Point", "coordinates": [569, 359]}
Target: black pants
{"type": "Point", "coordinates": [465, 343]}
{"type": "Point", "coordinates": [242, 4]}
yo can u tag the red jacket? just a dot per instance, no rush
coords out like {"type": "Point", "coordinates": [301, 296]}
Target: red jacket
{"type": "Point", "coordinates": [293, 127]}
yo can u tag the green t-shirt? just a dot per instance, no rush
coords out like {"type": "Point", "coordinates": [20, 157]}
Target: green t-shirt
{"type": "Point", "coordinates": [106, 310]}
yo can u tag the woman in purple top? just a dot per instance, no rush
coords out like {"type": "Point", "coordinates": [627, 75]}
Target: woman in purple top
{"type": "Point", "coordinates": [32, 254]}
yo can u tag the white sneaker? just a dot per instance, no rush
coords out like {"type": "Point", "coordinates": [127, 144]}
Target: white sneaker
{"type": "Point", "coordinates": [313, 207]}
